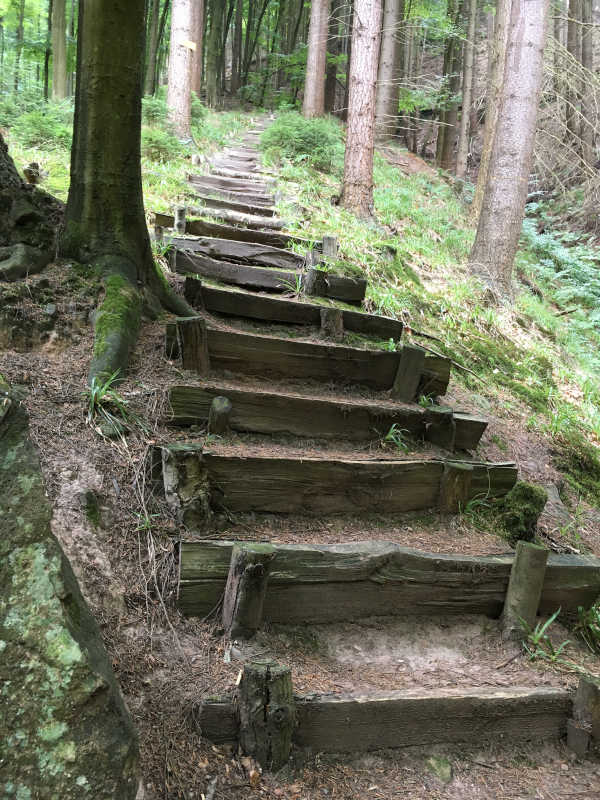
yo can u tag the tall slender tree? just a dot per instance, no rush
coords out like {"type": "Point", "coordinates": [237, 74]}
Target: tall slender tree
{"type": "Point", "coordinates": [59, 50]}
{"type": "Point", "coordinates": [153, 24]}
{"type": "Point", "coordinates": [20, 38]}
{"type": "Point", "coordinates": [179, 91]}
{"type": "Point", "coordinates": [574, 41]}
{"type": "Point", "coordinates": [505, 194]}
{"type": "Point", "coordinates": [450, 88]}
{"type": "Point", "coordinates": [198, 36]}
{"type": "Point", "coordinates": [314, 86]}
{"type": "Point", "coordinates": [587, 105]}
{"type": "Point", "coordinates": [333, 50]}
{"type": "Point", "coordinates": [214, 49]}
{"type": "Point", "coordinates": [388, 79]}
{"type": "Point", "coordinates": [105, 223]}
{"type": "Point", "coordinates": [357, 190]}
{"type": "Point", "coordinates": [467, 95]}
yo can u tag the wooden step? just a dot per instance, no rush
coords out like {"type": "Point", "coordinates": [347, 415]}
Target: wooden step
{"type": "Point", "coordinates": [237, 303]}
{"type": "Point", "coordinates": [255, 187]}
{"type": "Point", "coordinates": [338, 287]}
{"type": "Point", "coordinates": [314, 584]}
{"type": "Point", "coordinates": [205, 189]}
{"type": "Point", "coordinates": [413, 717]}
{"type": "Point", "coordinates": [211, 201]}
{"type": "Point", "coordinates": [281, 485]}
{"type": "Point", "coordinates": [245, 220]}
{"type": "Point", "coordinates": [247, 354]}
{"type": "Point", "coordinates": [231, 172]}
{"type": "Point", "coordinates": [201, 227]}
{"type": "Point", "coordinates": [297, 415]}
{"type": "Point", "coordinates": [259, 255]}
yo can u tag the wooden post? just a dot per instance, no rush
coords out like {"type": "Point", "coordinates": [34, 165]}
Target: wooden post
{"type": "Point", "coordinates": [586, 708]}
{"type": "Point", "coordinates": [193, 344]}
{"type": "Point", "coordinates": [218, 416]}
{"type": "Point", "coordinates": [455, 487]}
{"type": "Point", "coordinates": [332, 324]}
{"type": "Point", "coordinates": [158, 233]}
{"type": "Point", "coordinates": [330, 248]}
{"type": "Point", "coordinates": [246, 589]}
{"type": "Point", "coordinates": [408, 375]}
{"type": "Point", "coordinates": [180, 214]}
{"type": "Point", "coordinates": [524, 589]}
{"type": "Point", "coordinates": [192, 291]}
{"type": "Point", "coordinates": [196, 159]}
{"type": "Point", "coordinates": [267, 713]}
{"type": "Point", "coordinates": [171, 341]}
{"type": "Point", "coordinates": [440, 427]}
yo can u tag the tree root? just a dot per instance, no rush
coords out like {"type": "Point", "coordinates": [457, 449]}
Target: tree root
{"type": "Point", "coordinates": [20, 260]}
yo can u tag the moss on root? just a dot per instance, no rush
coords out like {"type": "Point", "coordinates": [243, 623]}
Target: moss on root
{"type": "Point", "coordinates": [520, 511]}
{"type": "Point", "coordinates": [579, 459]}
{"type": "Point", "coordinates": [116, 327]}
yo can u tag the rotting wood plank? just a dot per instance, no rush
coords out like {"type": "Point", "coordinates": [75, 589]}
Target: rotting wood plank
{"type": "Point", "coordinates": [201, 227]}
{"type": "Point", "coordinates": [328, 284]}
{"type": "Point", "coordinates": [229, 184]}
{"type": "Point", "coordinates": [411, 717]}
{"type": "Point", "coordinates": [241, 253]}
{"type": "Point", "coordinates": [266, 278]}
{"type": "Point", "coordinates": [243, 206]}
{"type": "Point", "coordinates": [312, 584]}
{"type": "Point", "coordinates": [246, 220]}
{"type": "Point", "coordinates": [285, 413]}
{"type": "Point", "coordinates": [265, 355]}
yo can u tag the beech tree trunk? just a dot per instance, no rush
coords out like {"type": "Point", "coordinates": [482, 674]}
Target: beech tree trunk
{"type": "Point", "coordinates": [388, 84]}
{"type": "Point", "coordinates": [105, 223]}
{"type": "Point", "coordinates": [505, 194]}
{"type": "Point", "coordinates": [150, 80]}
{"type": "Point", "coordinates": [314, 87]}
{"type": "Point", "coordinates": [494, 89]}
{"type": "Point", "coordinates": [197, 37]}
{"type": "Point", "coordinates": [59, 50]}
{"type": "Point", "coordinates": [179, 92]}
{"type": "Point", "coordinates": [587, 106]}
{"type": "Point", "coordinates": [357, 190]}
{"type": "Point", "coordinates": [467, 98]}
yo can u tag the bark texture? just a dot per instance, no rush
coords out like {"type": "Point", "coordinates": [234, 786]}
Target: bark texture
{"type": "Point", "coordinates": [213, 53]}
{"type": "Point", "coordinates": [357, 192]}
{"type": "Point", "coordinates": [59, 50]}
{"type": "Point", "coordinates": [197, 36]}
{"type": "Point", "coordinates": [505, 195]}
{"type": "Point", "coordinates": [179, 97]}
{"type": "Point", "coordinates": [574, 41]}
{"type": "Point", "coordinates": [314, 87]}
{"type": "Point", "coordinates": [467, 100]}
{"type": "Point", "coordinates": [388, 86]}
{"type": "Point", "coordinates": [587, 105]}
{"type": "Point", "coordinates": [150, 80]}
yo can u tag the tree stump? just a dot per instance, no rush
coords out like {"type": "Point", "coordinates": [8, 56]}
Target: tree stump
{"type": "Point", "coordinates": [455, 487]}
{"type": "Point", "coordinates": [267, 713]}
{"type": "Point", "coordinates": [440, 427]}
{"type": "Point", "coordinates": [332, 324]}
{"type": "Point", "coordinates": [330, 247]}
{"type": "Point", "coordinates": [313, 281]}
{"type": "Point", "coordinates": [192, 291]}
{"type": "Point", "coordinates": [408, 374]}
{"type": "Point", "coordinates": [218, 416]}
{"type": "Point", "coordinates": [246, 589]}
{"type": "Point", "coordinates": [171, 341]}
{"type": "Point", "coordinates": [180, 215]}
{"type": "Point", "coordinates": [586, 706]}
{"type": "Point", "coordinates": [193, 344]}
{"type": "Point", "coordinates": [524, 589]}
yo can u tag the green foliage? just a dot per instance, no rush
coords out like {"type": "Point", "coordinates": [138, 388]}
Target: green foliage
{"type": "Point", "coordinates": [588, 626]}
{"type": "Point", "coordinates": [154, 110]}
{"type": "Point", "coordinates": [520, 511]}
{"type": "Point", "coordinates": [314, 142]}
{"type": "Point", "coordinates": [48, 127]}
{"type": "Point", "coordinates": [159, 144]}
{"type": "Point", "coordinates": [397, 437]}
{"type": "Point", "coordinates": [538, 643]}
{"type": "Point", "coordinates": [199, 111]}
{"type": "Point", "coordinates": [105, 404]}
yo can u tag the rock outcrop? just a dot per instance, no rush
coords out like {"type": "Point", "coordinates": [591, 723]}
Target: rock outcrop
{"type": "Point", "coordinates": [64, 730]}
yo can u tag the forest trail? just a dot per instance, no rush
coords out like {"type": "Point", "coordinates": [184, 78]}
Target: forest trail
{"type": "Point", "coordinates": [311, 417]}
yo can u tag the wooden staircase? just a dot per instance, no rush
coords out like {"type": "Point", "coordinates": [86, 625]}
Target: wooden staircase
{"type": "Point", "coordinates": [262, 341]}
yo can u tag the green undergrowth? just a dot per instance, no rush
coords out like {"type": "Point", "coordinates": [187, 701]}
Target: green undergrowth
{"type": "Point", "coordinates": [529, 364]}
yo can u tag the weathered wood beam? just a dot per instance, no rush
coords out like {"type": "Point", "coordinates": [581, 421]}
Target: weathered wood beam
{"type": "Point", "coordinates": [246, 589]}
{"type": "Point", "coordinates": [218, 416]}
{"type": "Point", "coordinates": [524, 591]}
{"type": "Point", "coordinates": [240, 252]}
{"type": "Point", "coordinates": [327, 284]}
{"type": "Point", "coordinates": [193, 344]}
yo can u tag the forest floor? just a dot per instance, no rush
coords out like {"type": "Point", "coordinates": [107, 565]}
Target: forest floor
{"type": "Point", "coordinates": [535, 380]}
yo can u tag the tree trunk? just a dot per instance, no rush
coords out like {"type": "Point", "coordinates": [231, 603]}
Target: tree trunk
{"type": "Point", "coordinates": [505, 194]}
{"type": "Point", "coordinates": [344, 114]}
{"type": "Point", "coordinates": [314, 86]}
{"type": "Point", "coordinates": [236, 66]}
{"type": "Point", "coordinates": [197, 36]}
{"type": "Point", "coordinates": [59, 50]}
{"type": "Point", "coordinates": [105, 223]}
{"type": "Point", "coordinates": [388, 86]}
{"type": "Point", "coordinates": [333, 48]}
{"type": "Point", "coordinates": [450, 88]}
{"type": "Point", "coordinates": [179, 93]}
{"type": "Point", "coordinates": [357, 191]}
{"type": "Point", "coordinates": [588, 110]}
{"type": "Point", "coordinates": [558, 45]}
{"type": "Point", "coordinates": [494, 90]}
{"type": "Point", "coordinates": [150, 80]}
{"type": "Point", "coordinates": [574, 48]}
{"type": "Point", "coordinates": [19, 45]}
{"type": "Point", "coordinates": [213, 53]}
{"type": "Point", "coordinates": [467, 98]}
{"type": "Point", "coordinates": [47, 53]}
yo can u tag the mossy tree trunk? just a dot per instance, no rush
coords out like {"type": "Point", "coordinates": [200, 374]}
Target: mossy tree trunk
{"type": "Point", "coordinates": [105, 223]}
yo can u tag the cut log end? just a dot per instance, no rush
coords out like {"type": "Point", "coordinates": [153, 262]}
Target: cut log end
{"type": "Point", "coordinates": [332, 324]}
{"type": "Point", "coordinates": [218, 416]}
{"type": "Point", "coordinates": [193, 344]}
{"type": "Point", "coordinates": [246, 589]}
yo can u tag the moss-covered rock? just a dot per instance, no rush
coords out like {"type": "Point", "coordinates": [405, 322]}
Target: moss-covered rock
{"type": "Point", "coordinates": [520, 511]}
{"type": "Point", "coordinates": [64, 730]}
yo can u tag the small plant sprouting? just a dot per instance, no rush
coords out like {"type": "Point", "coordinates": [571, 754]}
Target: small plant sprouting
{"type": "Point", "coordinates": [426, 401]}
{"type": "Point", "coordinates": [538, 644]}
{"type": "Point", "coordinates": [397, 437]}
{"type": "Point", "coordinates": [106, 404]}
{"type": "Point", "coordinates": [294, 288]}
{"type": "Point", "coordinates": [588, 626]}
{"type": "Point", "coordinates": [391, 345]}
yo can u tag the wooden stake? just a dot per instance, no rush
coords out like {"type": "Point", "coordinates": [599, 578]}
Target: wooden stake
{"type": "Point", "coordinates": [218, 416]}
{"type": "Point", "coordinates": [455, 487]}
{"type": "Point", "coordinates": [586, 706]}
{"type": "Point", "coordinates": [524, 589]}
{"type": "Point", "coordinates": [158, 233]}
{"type": "Point", "coordinates": [267, 713]}
{"type": "Point", "coordinates": [171, 341]}
{"type": "Point", "coordinates": [332, 324]}
{"type": "Point", "coordinates": [192, 291]}
{"type": "Point", "coordinates": [440, 427]}
{"type": "Point", "coordinates": [193, 344]}
{"type": "Point", "coordinates": [330, 247]}
{"type": "Point", "coordinates": [246, 589]}
{"type": "Point", "coordinates": [180, 214]}
{"type": "Point", "coordinates": [408, 375]}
